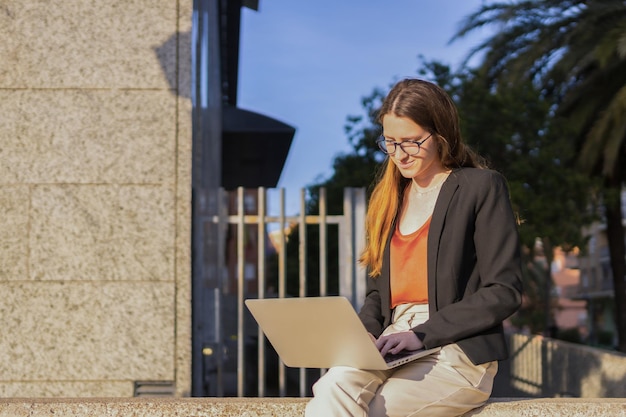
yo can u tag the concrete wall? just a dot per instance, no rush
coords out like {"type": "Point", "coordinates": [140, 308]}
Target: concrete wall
{"type": "Point", "coordinates": [543, 367]}
{"type": "Point", "coordinates": [95, 154]}
{"type": "Point", "coordinates": [283, 407]}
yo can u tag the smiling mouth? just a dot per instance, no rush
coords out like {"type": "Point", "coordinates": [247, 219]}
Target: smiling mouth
{"type": "Point", "coordinates": [406, 164]}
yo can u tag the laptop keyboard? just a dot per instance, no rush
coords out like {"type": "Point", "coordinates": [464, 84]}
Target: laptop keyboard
{"type": "Point", "coordinates": [390, 357]}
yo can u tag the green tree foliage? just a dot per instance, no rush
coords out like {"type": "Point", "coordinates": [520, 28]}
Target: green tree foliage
{"type": "Point", "coordinates": [532, 314]}
{"type": "Point", "coordinates": [574, 53]}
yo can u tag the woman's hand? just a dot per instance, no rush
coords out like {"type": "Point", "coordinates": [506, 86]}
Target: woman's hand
{"type": "Point", "coordinates": [396, 342]}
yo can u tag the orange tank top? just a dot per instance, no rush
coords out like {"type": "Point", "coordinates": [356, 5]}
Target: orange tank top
{"type": "Point", "coordinates": [408, 266]}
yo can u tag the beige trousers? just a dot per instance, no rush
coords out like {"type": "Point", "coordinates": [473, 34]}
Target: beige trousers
{"type": "Point", "coordinates": [445, 383]}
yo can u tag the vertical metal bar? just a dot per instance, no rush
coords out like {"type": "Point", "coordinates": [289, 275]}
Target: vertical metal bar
{"type": "Point", "coordinates": [282, 270]}
{"type": "Point", "coordinates": [261, 286]}
{"type": "Point", "coordinates": [240, 291]}
{"type": "Point", "coordinates": [359, 208]}
{"type": "Point", "coordinates": [323, 244]}
{"type": "Point", "coordinates": [282, 256]}
{"type": "Point", "coordinates": [323, 249]}
{"type": "Point", "coordinates": [302, 269]}
{"type": "Point", "coordinates": [346, 248]}
{"type": "Point", "coordinates": [302, 245]}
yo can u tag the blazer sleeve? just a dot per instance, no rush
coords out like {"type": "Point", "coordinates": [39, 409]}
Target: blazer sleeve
{"type": "Point", "coordinates": [375, 313]}
{"type": "Point", "coordinates": [371, 311]}
{"type": "Point", "coordinates": [478, 267]}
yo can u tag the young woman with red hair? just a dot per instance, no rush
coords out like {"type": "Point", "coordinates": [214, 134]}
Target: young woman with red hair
{"type": "Point", "coordinates": [443, 263]}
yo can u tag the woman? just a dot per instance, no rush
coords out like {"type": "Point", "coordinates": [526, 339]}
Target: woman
{"type": "Point", "coordinates": [444, 268]}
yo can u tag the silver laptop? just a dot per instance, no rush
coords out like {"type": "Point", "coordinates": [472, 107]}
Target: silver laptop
{"type": "Point", "coordinates": [322, 332]}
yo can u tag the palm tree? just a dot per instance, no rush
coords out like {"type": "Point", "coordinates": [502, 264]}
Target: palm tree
{"type": "Point", "coordinates": [575, 51]}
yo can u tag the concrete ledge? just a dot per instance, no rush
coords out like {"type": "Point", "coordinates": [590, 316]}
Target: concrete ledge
{"type": "Point", "coordinates": [561, 407]}
{"type": "Point", "coordinates": [280, 407]}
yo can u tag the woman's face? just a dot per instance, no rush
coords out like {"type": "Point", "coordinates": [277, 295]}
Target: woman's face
{"type": "Point", "coordinates": [421, 166]}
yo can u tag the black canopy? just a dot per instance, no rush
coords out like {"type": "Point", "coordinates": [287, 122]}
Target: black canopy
{"type": "Point", "coordinates": [254, 148]}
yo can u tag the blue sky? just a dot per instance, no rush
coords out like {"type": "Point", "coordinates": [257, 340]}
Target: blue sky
{"type": "Point", "coordinates": [309, 63]}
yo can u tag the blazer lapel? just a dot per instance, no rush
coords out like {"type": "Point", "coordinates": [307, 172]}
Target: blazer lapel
{"type": "Point", "coordinates": [385, 281]}
{"type": "Point", "coordinates": [434, 234]}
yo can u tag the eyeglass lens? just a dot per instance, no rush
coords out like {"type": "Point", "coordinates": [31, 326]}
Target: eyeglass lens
{"type": "Point", "coordinates": [390, 147]}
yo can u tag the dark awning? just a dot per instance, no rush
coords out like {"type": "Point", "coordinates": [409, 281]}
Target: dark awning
{"type": "Point", "coordinates": [254, 148]}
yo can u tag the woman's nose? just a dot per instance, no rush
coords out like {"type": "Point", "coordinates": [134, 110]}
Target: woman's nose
{"type": "Point", "coordinates": [400, 153]}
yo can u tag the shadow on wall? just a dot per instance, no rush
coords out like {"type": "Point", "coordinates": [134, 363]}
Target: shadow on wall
{"type": "Point", "coordinates": [542, 367]}
{"type": "Point", "coordinates": [176, 49]}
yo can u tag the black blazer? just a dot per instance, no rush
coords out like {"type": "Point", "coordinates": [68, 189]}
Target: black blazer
{"type": "Point", "coordinates": [474, 269]}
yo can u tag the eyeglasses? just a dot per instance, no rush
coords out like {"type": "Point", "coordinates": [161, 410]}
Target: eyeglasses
{"type": "Point", "coordinates": [410, 147]}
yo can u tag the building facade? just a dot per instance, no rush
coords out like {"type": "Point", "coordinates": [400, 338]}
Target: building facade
{"type": "Point", "coordinates": [596, 288]}
{"type": "Point", "coordinates": [95, 174]}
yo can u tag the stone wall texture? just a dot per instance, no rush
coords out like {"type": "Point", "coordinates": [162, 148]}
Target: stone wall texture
{"type": "Point", "coordinates": [95, 192]}
{"type": "Point", "coordinates": [284, 407]}
{"type": "Point", "coordinates": [544, 367]}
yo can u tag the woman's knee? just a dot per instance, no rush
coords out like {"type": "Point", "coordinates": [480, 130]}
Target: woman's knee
{"type": "Point", "coordinates": [330, 381]}
{"type": "Point", "coordinates": [357, 385]}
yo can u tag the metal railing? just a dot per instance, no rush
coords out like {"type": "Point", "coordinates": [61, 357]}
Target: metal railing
{"type": "Point", "coordinates": [544, 367]}
{"type": "Point", "coordinates": [351, 277]}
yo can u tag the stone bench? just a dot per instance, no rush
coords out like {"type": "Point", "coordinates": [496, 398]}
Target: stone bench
{"type": "Point", "coordinates": [280, 407]}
